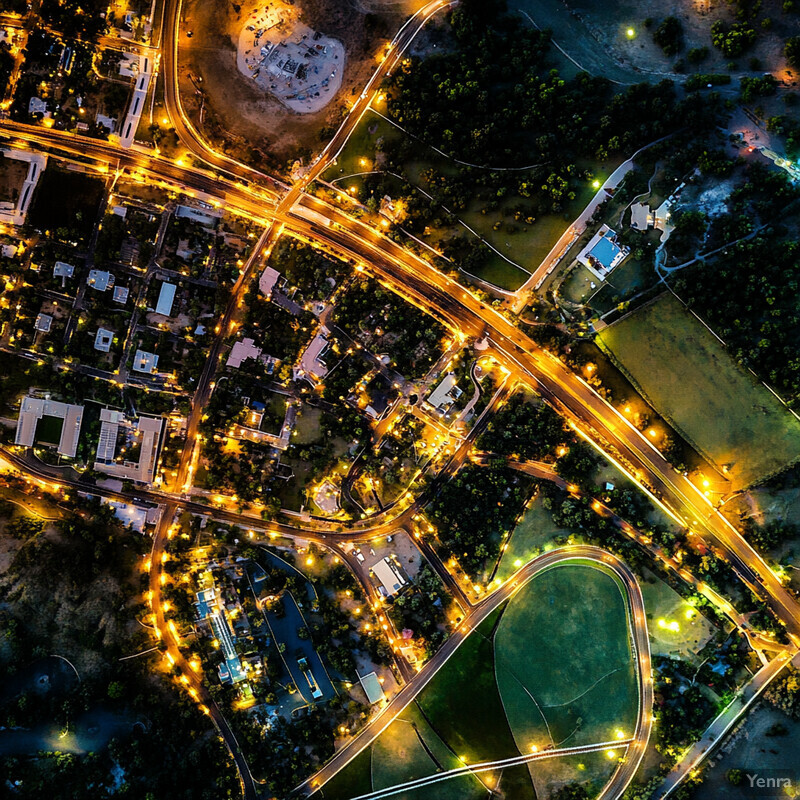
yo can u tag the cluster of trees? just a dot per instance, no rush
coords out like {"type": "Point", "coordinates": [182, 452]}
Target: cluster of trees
{"type": "Point", "coordinates": [784, 693]}
{"type": "Point", "coordinates": [732, 40]}
{"type": "Point", "coordinates": [669, 35]}
{"type": "Point", "coordinates": [771, 535]}
{"type": "Point", "coordinates": [307, 269]}
{"type": "Point", "coordinates": [760, 321]}
{"type": "Point", "coordinates": [421, 610]}
{"type": "Point", "coordinates": [530, 430]}
{"type": "Point", "coordinates": [280, 334]}
{"type": "Point", "coordinates": [385, 323]}
{"type": "Point", "coordinates": [70, 590]}
{"type": "Point", "coordinates": [474, 509]}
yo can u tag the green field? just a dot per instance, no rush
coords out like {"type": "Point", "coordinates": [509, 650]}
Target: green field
{"type": "Point", "coordinates": [575, 687]}
{"type": "Point", "coordinates": [544, 639]}
{"type": "Point", "coordinates": [534, 532]}
{"type": "Point", "coordinates": [526, 246]}
{"type": "Point", "coordinates": [676, 627]}
{"type": "Point", "coordinates": [688, 377]}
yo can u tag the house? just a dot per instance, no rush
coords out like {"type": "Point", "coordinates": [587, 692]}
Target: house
{"type": "Point", "coordinates": [311, 364]}
{"type": "Point", "coordinates": [445, 394]}
{"type": "Point", "coordinates": [241, 351]}
{"type": "Point", "coordinates": [103, 339]}
{"type": "Point", "coordinates": [603, 254]}
{"type": "Point", "coordinates": [388, 573]}
{"type": "Point", "coordinates": [268, 280]}
{"type": "Point", "coordinates": [63, 270]}
{"type": "Point", "coordinates": [43, 323]}
{"type": "Point", "coordinates": [121, 294]}
{"type": "Point", "coordinates": [641, 217]}
{"type": "Point", "coordinates": [37, 106]}
{"type": "Point", "coordinates": [165, 299]}
{"type": "Point", "coordinates": [107, 122]}
{"type": "Point", "coordinates": [145, 362]}
{"type": "Point", "coordinates": [100, 280]}
{"type": "Point", "coordinates": [372, 688]}
{"type": "Point", "coordinates": [50, 422]}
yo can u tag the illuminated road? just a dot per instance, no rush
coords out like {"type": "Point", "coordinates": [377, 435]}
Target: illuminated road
{"type": "Point", "coordinates": [640, 643]}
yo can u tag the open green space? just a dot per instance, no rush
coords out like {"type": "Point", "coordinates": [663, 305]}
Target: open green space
{"type": "Point", "coordinates": [684, 372]}
{"type": "Point", "coordinates": [592, 770]}
{"type": "Point", "coordinates": [307, 425]}
{"type": "Point", "coordinates": [525, 245]}
{"type": "Point", "coordinates": [676, 627]}
{"type": "Point", "coordinates": [544, 640]}
{"type": "Point", "coordinates": [534, 532]}
{"type": "Point", "coordinates": [563, 683]}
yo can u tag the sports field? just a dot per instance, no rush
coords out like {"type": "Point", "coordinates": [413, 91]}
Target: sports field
{"type": "Point", "coordinates": [543, 640]}
{"type": "Point", "coordinates": [575, 687]}
{"type": "Point", "coordinates": [684, 372]}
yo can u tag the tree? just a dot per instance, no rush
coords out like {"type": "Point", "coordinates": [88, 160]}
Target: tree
{"type": "Point", "coordinates": [792, 51]}
{"type": "Point", "coordinates": [669, 36]}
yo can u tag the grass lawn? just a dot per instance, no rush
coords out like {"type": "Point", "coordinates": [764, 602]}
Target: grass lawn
{"type": "Point", "coordinates": [477, 729]}
{"type": "Point", "coordinates": [562, 682]}
{"type": "Point", "coordinates": [591, 770]}
{"type": "Point", "coordinates": [399, 756]}
{"type": "Point", "coordinates": [689, 378]}
{"type": "Point", "coordinates": [535, 530]}
{"type": "Point", "coordinates": [307, 425]}
{"type": "Point", "coordinates": [666, 610]}
{"type": "Point", "coordinates": [354, 780]}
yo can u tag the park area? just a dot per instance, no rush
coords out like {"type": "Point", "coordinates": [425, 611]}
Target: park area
{"type": "Point", "coordinates": [536, 674]}
{"type": "Point", "coordinates": [513, 251]}
{"type": "Point", "coordinates": [685, 373]}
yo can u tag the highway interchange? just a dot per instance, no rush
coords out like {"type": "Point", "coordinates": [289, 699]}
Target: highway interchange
{"type": "Point", "coordinates": [281, 208]}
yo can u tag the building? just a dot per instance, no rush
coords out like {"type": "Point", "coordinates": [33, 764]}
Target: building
{"type": "Point", "coordinates": [389, 575]}
{"type": "Point", "coordinates": [326, 497]}
{"type": "Point", "coordinates": [103, 339]}
{"type": "Point", "coordinates": [445, 394]}
{"type": "Point", "coordinates": [372, 688]}
{"type": "Point", "coordinates": [241, 351]}
{"type": "Point", "coordinates": [311, 364]}
{"type": "Point", "coordinates": [121, 294]}
{"type": "Point", "coordinates": [166, 297]}
{"type": "Point", "coordinates": [49, 422]}
{"type": "Point", "coordinates": [100, 280]}
{"type": "Point", "coordinates": [268, 281]}
{"type": "Point", "coordinates": [209, 608]}
{"type": "Point", "coordinates": [120, 435]}
{"type": "Point", "coordinates": [63, 270]}
{"type": "Point", "coordinates": [603, 254]}
{"type": "Point", "coordinates": [145, 362]}
{"type": "Point", "coordinates": [43, 323]}
{"type": "Point", "coordinates": [641, 218]}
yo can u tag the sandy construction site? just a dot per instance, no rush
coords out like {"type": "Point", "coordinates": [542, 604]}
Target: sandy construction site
{"type": "Point", "coordinates": [300, 66]}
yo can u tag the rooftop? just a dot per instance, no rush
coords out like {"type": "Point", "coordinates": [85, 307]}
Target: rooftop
{"type": "Point", "coordinates": [43, 322]}
{"type": "Point", "coordinates": [145, 362]}
{"type": "Point", "coordinates": [388, 573]}
{"type": "Point", "coordinates": [266, 283]}
{"type": "Point", "coordinates": [63, 270]}
{"type": "Point", "coordinates": [32, 409]}
{"type": "Point", "coordinates": [165, 299]}
{"type": "Point", "coordinates": [121, 294]}
{"type": "Point", "coordinates": [100, 280]}
{"type": "Point", "coordinates": [102, 341]}
{"type": "Point", "coordinates": [241, 351]}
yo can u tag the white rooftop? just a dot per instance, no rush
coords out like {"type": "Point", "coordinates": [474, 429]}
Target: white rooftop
{"type": "Point", "coordinates": [121, 294]}
{"type": "Point", "coordinates": [266, 283]}
{"type": "Point", "coordinates": [63, 270]}
{"type": "Point", "coordinates": [441, 395]}
{"type": "Point", "coordinates": [100, 280]}
{"type": "Point", "coordinates": [165, 299]}
{"type": "Point", "coordinates": [43, 322]}
{"type": "Point", "coordinates": [388, 574]}
{"type": "Point", "coordinates": [32, 409]}
{"type": "Point", "coordinates": [103, 339]}
{"type": "Point", "coordinates": [145, 362]}
{"type": "Point", "coordinates": [372, 688]}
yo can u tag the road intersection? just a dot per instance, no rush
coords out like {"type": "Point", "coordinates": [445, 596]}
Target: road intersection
{"type": "Point", "coordinates": [288, 208]}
